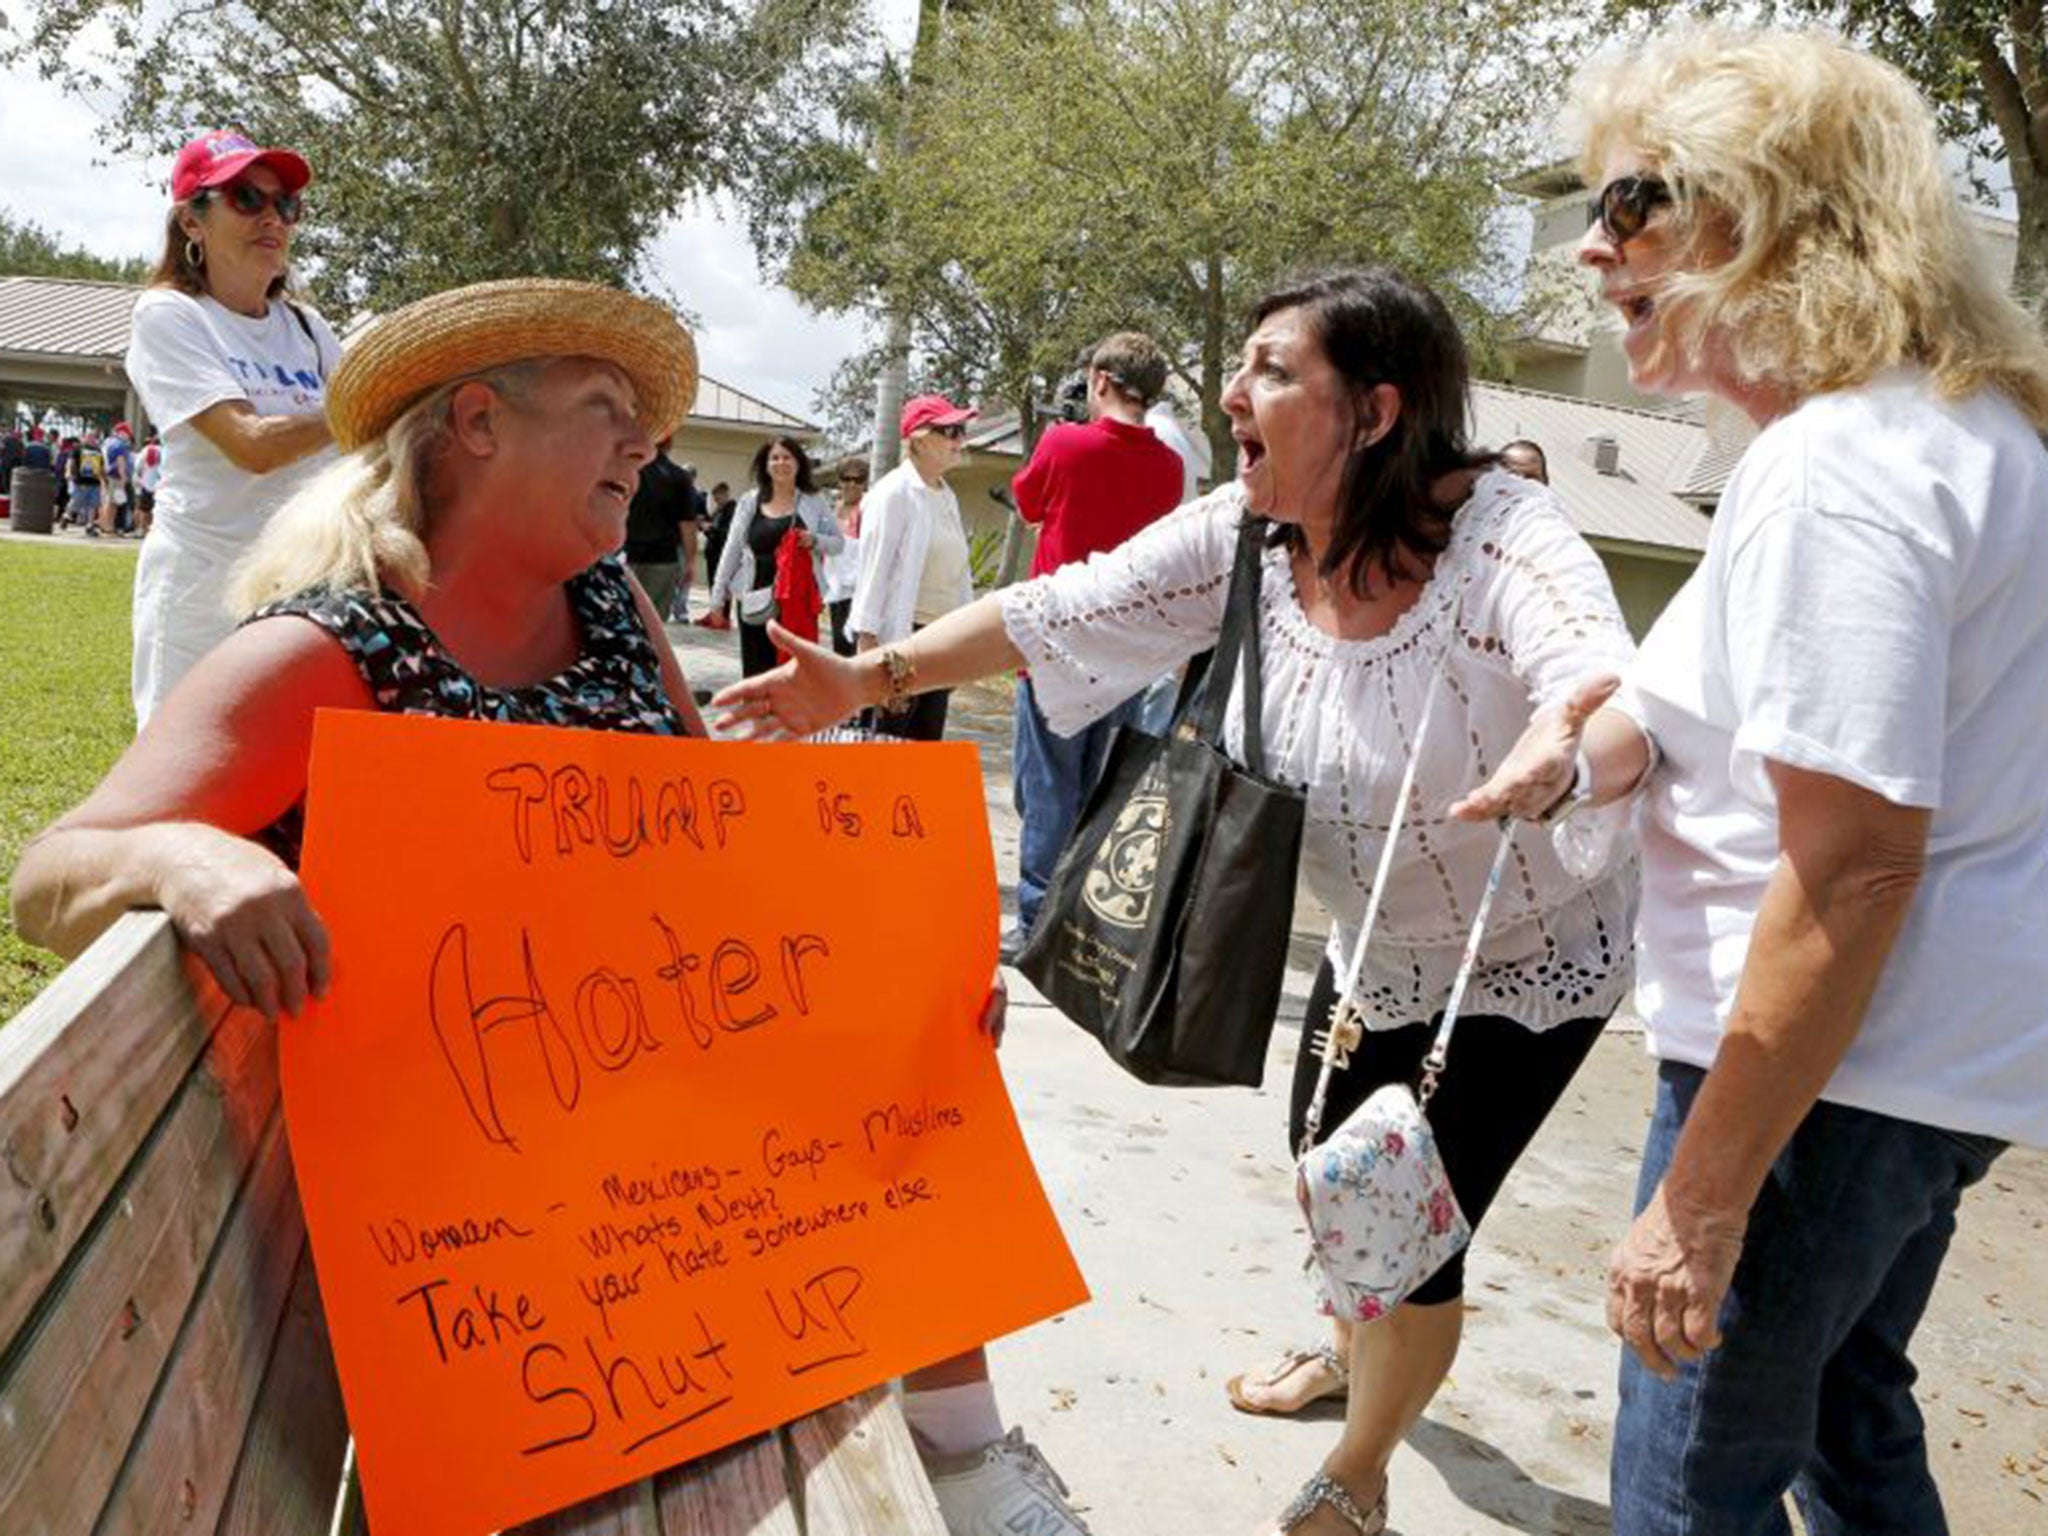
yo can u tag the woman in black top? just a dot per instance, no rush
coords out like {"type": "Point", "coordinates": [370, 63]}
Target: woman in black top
{"type": "Point", "coordinates": [785, 495]}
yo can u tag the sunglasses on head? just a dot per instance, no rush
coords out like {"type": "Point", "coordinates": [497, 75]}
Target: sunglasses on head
{"type": "Point", "coordinates": [1625, 204]}
{"type": "Point", "coordinates": [250, 200]}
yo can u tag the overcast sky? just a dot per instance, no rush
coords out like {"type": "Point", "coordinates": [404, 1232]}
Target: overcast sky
{"type": "Point", "coordinates": [754, 336]}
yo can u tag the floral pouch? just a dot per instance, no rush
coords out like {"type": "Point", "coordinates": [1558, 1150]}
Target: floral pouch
{"type": "Point", "coordinates": [1381, 1214]}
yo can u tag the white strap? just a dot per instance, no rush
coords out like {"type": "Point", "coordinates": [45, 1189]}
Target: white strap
{"type": "Point", "coordinates": [1349, 980]}
{"type": "Point", "coordinates": [1439, 1048]}
{"type": "Point", "coordinates": [1347, 983]}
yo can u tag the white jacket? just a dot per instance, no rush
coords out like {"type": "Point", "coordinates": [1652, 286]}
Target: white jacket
{"type": "Point", "coordinates": [896, 521]}
{"type": "Point", "coordinates": [813, 511]}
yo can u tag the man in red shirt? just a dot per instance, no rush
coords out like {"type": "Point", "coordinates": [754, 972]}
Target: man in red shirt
{"type": "Point", "coordinates": [1089, 486]}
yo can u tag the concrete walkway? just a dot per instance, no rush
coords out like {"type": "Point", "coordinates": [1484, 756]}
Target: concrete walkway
{"type": "Point", "coordinates": [70, 538]}
{"type": "Point", "coordinates": [1179, 1206]}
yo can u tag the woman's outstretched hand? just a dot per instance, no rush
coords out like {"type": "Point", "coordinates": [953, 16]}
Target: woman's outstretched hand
{"type": "Point", "coordinates": [815, 688]}
{"type": "Point", "coordinates": [1538, 770]}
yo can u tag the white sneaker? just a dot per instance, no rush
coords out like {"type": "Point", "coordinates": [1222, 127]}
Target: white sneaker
{"type": "Point", "coordinates": [1004, 1489]}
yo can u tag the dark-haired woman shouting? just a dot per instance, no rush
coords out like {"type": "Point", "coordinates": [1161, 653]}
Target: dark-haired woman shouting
{"type": "Point", "coordinates": [1395, 553]}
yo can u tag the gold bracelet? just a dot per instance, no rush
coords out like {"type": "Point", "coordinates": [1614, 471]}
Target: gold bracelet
{"type": "Point", "coordinates": [899, 673]}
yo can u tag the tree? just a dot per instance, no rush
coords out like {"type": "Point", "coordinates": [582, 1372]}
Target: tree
{"type": "Point", "coordinates": [1085, 165]}
{"type": "Point", "coordinates": [457, 140]}
{"type": "Point", "coordinates": [29, 250]}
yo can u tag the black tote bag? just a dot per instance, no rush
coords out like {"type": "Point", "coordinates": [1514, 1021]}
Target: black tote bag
{"type": "Point", "coordinates": [1164, 931]}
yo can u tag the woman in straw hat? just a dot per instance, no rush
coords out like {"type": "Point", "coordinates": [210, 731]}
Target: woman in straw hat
{"type": "Point", "coordinates": [459, 560]}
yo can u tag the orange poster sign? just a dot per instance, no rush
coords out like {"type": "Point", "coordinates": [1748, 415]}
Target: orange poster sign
{"type": "Point", "coordinates": [647, 1109]}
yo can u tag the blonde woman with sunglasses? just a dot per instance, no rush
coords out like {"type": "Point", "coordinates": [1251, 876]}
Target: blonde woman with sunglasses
{"type": "Point", "coordinates": [1837, 728]}
{"type": "Point", "coordinates": [234, 375]}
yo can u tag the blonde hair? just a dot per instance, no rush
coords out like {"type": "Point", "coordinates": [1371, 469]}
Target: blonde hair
{"type": "Point", "coordinates": [1823, 168]}
{"type": "Point", "coordinates": [362, 523]}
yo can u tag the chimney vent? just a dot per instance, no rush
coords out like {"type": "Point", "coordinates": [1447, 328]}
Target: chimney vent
{"type": "Point", "coordinates": [1603, 451]}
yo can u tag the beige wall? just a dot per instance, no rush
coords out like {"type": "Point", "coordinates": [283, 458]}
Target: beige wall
{"type": "Point", "coordinates": [1551, 373]}
{"type": "Point", "coordinates": [977, 475]}
{"type": "Point", "coordinates": [718, 454]}
{"type": "Point", "coordinates": [1643, 583]}
{"type": "Point", "coordinates": [723, 452]}
{"type": "Point", "coordinates": [1600, 373]}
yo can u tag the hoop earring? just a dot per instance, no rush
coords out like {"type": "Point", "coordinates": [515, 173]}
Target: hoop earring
{"type": "Point", "coordinates": [195, 255]}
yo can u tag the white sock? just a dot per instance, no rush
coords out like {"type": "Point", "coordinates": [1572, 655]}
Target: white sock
{"type": "Point", "coordinates": [951, 1421]}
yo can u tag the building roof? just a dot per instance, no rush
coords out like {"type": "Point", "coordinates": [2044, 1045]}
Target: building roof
{"type": "Point", "coordinates": [73, 318]}
{"type": "Point", "coordinates": [1001, 433]}
{"type": "Point", "coordinates": [722, 403]}
{"type": "Point", "coordinates": [1703, 474]}
{"type": "Point", "coordinates": [1553, 178]}
{"type": "Point", "coordinates": [1639, 504]}
{"type": "Point", "coordinates": [65, 317]}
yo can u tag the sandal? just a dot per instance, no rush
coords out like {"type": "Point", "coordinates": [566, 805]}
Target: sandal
{"type": "Point", "coordinates": [1324, 1354]}
{"type": "Point", "coordinates": [1323, 1489]}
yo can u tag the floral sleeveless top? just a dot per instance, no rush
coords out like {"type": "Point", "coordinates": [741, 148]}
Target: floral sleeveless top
{"type": "Point", "coordinates": [613, 685]}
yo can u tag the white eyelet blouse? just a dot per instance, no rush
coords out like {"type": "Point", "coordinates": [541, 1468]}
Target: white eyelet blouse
{"type": "Point", "coordinates": [1526, 611]}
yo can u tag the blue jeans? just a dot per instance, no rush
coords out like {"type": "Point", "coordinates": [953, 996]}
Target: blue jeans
{"type": "Point", "coordinates": [1052, 775]}
{"type": "Point", "coordinates": [1811, 1391]}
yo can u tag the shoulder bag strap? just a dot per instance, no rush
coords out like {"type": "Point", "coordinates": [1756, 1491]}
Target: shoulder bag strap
{"type": "Point", "coordinates": [1237, 651]}
{"type": "Point", "coordinates": [1335, 1048]}
{"type": "Point", "coordinates": [1439, 1048]}
{"type": "Point", "coordinates": [319, 357]}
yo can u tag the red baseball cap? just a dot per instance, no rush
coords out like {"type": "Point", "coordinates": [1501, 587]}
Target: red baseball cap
{"type": "Point", "coordinates": [219, 155]}
{"type": "Point", "coordinates": [933, 411]}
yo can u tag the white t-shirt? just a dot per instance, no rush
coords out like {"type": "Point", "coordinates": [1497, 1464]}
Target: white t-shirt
{"type": "Point", "coordinates": [1195, 457]}
{"type": "Point", "coordinates": [1873, 604]}
{"type": "Point", "coordinates": [1518, 612]}
{"type": "Point", "coordinates": [842, 569]}
{"type": "Point", "coordinates": [899, 519]}
{"type": "Point", "coordinates": [184, 355]}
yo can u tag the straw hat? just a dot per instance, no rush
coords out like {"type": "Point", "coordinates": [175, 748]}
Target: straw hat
{"type": "Point", "coordinates": [401, 356]}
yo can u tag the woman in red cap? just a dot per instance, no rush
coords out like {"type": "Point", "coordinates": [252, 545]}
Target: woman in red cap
{"type": "Point", "coordinates": [914, 566]}
{"type": "Point", "coordinates": [234, 375]}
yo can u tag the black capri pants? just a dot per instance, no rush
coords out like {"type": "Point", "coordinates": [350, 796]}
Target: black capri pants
{"type": "Point", "coordinates": [1499, 1086]}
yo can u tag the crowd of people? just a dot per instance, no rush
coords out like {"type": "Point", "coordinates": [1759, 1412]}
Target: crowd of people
{"type": "Point", "coordinates": [105, 487]}
{"type": "Point", "coordinates": [1805, 819]}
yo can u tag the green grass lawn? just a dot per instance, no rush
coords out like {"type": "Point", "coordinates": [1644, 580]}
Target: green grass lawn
{"type": "Point", "coordinates": [64, 713]}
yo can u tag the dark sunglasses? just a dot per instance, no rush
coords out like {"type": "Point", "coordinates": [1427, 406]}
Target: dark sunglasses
{"type": "Point", "coordinates": [249, 200]}
{"type": "Point", "coordinates": [1625, 204]}
{"type": "Point", "coordinates": [956, 431]}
